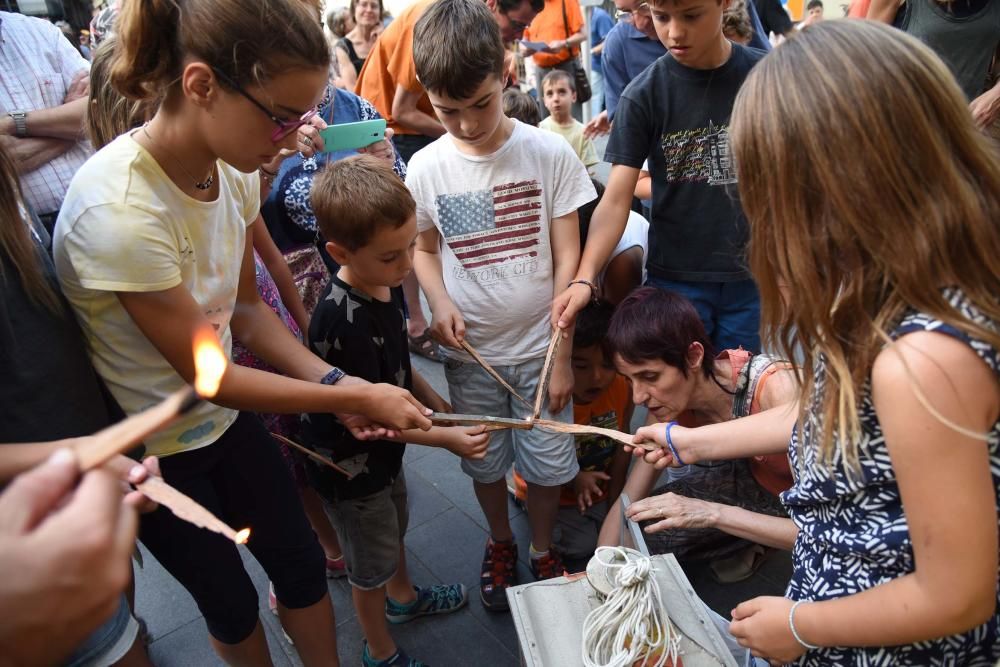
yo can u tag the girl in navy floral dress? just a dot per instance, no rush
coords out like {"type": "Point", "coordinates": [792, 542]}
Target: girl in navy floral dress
{"type": "Point", "coordinates": [874, 205]}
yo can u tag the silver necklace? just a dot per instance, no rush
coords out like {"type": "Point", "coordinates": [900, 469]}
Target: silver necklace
{"type": "Point", "coordinates": [201, 185]}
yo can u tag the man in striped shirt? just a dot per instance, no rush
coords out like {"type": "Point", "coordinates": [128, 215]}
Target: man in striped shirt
{"type": "Point", "coordinates": [43, 105]}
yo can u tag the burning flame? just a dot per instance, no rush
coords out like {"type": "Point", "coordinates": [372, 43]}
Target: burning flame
{"type": "Point", "coordinates": [242, 536]}
{"type": "Point", "coordinates": [209, 363]}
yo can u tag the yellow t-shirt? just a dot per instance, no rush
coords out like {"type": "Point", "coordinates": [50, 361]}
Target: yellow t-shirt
{"type": "Point", "coordinates": [573, 133]}
{"type": "Point", "coordinates": [125, 227]}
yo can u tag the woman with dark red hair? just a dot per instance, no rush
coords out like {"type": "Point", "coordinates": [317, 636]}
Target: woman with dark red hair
{"type": "Point", "coordinates": [707, 511]}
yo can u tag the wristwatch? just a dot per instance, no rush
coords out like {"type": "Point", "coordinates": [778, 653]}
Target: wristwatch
{"type": "Point", "coordinates": [20, 119]}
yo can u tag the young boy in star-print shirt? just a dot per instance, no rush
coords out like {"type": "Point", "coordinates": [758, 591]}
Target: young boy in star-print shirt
{"type": "Point", "coordinates": [367, 216]}
{"type": "Point", "coordinates": [496, 208]}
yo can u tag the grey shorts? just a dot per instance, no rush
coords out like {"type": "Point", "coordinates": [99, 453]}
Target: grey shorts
{"type": "Point", "coordinates": [542, 458]}
{"type": "Point", "coordinates": [576, 534]}
{"type": "Point", "coordinates": [371, 531]}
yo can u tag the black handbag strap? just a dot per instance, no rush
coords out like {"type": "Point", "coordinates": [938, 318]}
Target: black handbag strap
{"type": "Point", "coordinates": [572, 55]}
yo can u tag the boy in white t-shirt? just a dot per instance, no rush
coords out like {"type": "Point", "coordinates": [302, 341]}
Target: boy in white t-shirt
{"type": "Point", "coordinates": [496, 209]}
{"type": "Point", "coordinates": [559, 96]}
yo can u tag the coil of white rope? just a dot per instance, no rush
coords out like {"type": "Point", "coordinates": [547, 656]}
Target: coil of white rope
{"type": "Point", "coordinates": [632, 623]}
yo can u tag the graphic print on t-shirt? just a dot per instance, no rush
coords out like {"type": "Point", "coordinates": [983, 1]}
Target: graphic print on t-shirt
{"type": "Point", "coordinates": [489, 229]}
{"type": "Point", "coordinates": [700, 155]}
{"type": "Point", "coordinates": [594, 452]}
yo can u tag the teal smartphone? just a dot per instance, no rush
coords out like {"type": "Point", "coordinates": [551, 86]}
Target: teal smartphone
{"type": "Point", "coordinates": [351, 136]}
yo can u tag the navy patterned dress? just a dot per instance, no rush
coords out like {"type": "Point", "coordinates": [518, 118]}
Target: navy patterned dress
{"type": "Point", "coordinates": [853, 533]}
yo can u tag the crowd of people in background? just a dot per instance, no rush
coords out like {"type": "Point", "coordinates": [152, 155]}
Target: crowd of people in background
{"type": "Point", "coordinates": [790, 270]}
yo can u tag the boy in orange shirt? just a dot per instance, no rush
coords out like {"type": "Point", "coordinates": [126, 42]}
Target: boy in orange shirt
{"type": "Point", "coordinates": [601, 397]}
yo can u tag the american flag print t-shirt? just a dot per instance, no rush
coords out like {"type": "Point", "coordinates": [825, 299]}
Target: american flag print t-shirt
{"type": "Point", "coordinates": [492, 226]}
{"type": "Point", "coordinates": [493, 214]}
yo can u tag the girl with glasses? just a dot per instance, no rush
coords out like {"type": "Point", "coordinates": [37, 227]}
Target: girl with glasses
{"type": "Point", "coordinates": [155, 240]}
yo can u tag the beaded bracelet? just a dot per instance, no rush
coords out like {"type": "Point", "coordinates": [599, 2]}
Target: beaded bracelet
{"type": "Point", "coordinates": [670, 444]}
{"type": "Point", "coordinates": [795, 633]}
{"type": "Point", "coordinates": [594, 292]}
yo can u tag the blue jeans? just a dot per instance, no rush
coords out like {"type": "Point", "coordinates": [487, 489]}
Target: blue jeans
{"type": "Point", "coordinates": [597, 92]}
{"type": "Point", "coordinates": [729, 311]}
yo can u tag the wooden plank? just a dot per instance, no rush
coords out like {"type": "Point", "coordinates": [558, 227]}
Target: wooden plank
{"type": "Point", "coordinates": [585, 429]}
{"type": "Point", "coordinates": [492, 372]}
{"type": "Point", "coordinates": [491, 423]}
{"type": "Point", "coordinates": [319, 458]}
{"type": "Point", "coordinates": [543, 381]}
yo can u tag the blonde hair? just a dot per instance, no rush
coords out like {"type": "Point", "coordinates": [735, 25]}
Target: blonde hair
{"type": "Point", "coordinates": [868, 190]}
{"type": "Point", "coordinates": [109, 114]}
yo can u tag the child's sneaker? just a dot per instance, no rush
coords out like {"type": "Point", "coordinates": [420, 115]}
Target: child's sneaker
{"type": "Point", "coordinates": [335, 568]}
{"type": "Point", "coordinates": [400, 659]}
{"type": "Point", "coordinates": [548, 566]}
{"type": "Point", "coordinates": [499, 573]}
{"type": "Point", "coordinates": [440, 599]}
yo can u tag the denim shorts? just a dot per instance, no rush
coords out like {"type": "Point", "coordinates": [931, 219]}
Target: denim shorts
{"type": "Point", "coordinates": [371, 531]}
{"type": "Point", "coordinates": [109, 643]}
{"type": "Point", "coordinates": [543, 458]}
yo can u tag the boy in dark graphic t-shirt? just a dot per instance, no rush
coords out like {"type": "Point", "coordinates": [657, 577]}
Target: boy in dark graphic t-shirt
{"type": "Point", "coordinates": [676, 115]}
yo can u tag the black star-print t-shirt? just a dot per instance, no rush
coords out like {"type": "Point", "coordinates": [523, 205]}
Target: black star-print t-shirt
{"type": "Point", "coordinates": [366, 338]}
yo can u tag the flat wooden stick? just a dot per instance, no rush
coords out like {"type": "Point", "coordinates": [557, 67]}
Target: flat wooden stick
{"type": "Point", "coordinates": [584, 429]}
{"type": "Point", "coordinates": [491, 423]}
{"type": "Point", "coordinates": [543, 381]}
{"type": "Point", "coordinates": [183, 506]}
{"type": "Point", "coordinates": [311, 454]}
{"type": "Point", "coordinates": [126, 434]}
{"type": "Point", "coordinates": [492, 372]}
{"type": "Point", "coordinates": [188, 510]}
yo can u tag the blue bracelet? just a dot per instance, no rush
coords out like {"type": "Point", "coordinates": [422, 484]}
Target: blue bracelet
{"type": "Point", "coordinates": [670, 444]}
{"type": "Point", "coordinates": [333, 377]}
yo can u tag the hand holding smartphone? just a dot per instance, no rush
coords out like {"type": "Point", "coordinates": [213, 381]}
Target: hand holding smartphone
{"type": "Point", "coordinates": [351, 136]}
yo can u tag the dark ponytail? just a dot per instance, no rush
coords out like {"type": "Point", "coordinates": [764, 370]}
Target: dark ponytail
{"type": "Point", "coordinates": [148, 56]}
{"type": "Point", "coordinates": [250, 41]}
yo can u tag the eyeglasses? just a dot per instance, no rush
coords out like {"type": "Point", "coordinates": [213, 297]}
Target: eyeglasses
{"type": "Point", "coordinates": [642, 9]}
{"type": "Point", "coordinates": [285, 127]}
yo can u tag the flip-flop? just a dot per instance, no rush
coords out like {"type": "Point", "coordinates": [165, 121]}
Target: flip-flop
{"type": "Point", "coordinates": [424, 346]}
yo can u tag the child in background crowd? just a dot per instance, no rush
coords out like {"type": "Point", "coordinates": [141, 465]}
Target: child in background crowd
{"type": "Point", "coordinates": [559, 95]}
{"type": "Point", "coordinates": [676, 115]}
{"type": "Point", "coordinates": [601, 397]}
{"type": "Point", "coordinates": [496, 209]}
{"type": "Point", "coordinates": [736, 25]}
{"type": "Point", "coordinates": [626, 269]}
{"type": "Point", "coordinates": [368, 218]}
{"type": "Point", "coordinates": [521, 106]}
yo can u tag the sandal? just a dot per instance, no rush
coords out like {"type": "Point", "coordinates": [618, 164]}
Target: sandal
{"type": "Point", "coordinates": [424, 346]}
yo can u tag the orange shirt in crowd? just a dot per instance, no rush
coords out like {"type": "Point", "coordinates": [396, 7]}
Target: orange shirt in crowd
{"type": "Point", "coordinates": [390, 63]}
{"type": "Point", "coordinates": [548, 26]}
{"type": "Point", "coordinates": [594, 452]}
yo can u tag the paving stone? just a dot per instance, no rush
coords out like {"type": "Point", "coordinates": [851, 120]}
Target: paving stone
{"type": "Point", "coordinates": [189, 646]}
{"type": "Point", "coordinates": [425, 501]}
{"type": "Point", "coordinates": [160, 600]}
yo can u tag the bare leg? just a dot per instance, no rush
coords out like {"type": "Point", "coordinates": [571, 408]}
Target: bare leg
{"type": "Point", "coordinates": [399, 587]}
{"type": "Point", "coordinates": [314, 631]}
{"type": "Point", "coordinates": [320, 523]}
{"type": "Point", "coordinates": [542, 508]}
{"type": "Point", "coordinates": [493, 499]}
{"type": "Point", "coordinates": [370, 606]}
{"type": "Point", "coordinates": [411, 290]}
{"type": "Point", "coordinates": [251, 652]}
